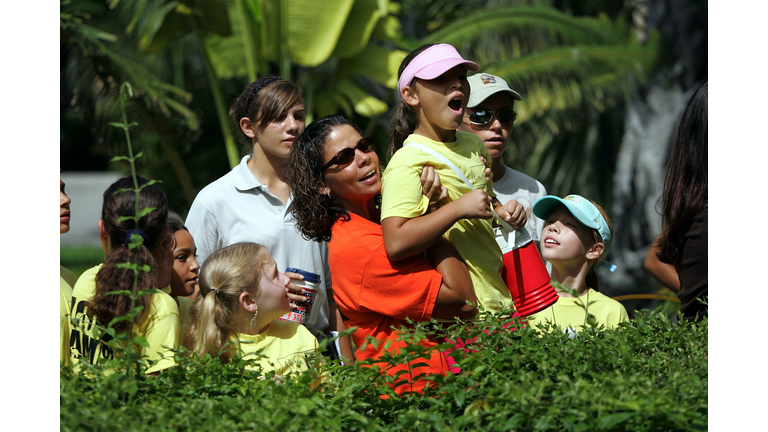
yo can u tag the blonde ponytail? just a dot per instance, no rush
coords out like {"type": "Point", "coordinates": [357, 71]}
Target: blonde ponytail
{"type": "Point", "coordinates": [226, 274]}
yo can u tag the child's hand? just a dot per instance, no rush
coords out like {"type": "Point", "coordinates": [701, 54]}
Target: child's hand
{"type": "Point", "coordinates": [431, 188]}
{"type": "Point", "coordinates": [513, 213]}
{"type": "Point", "coordinates": [475, 205]}
{"type": "Point", "coordinates": [487, 169]}
{"type": "Point", "coordinates": [295, 292]}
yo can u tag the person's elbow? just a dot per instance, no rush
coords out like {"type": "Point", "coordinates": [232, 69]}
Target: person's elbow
{"type": "Point", "coordinates": [452, 304]}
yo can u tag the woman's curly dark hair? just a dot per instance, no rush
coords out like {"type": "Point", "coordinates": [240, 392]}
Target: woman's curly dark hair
{"type": "Point", "coordinates": [314, 212]}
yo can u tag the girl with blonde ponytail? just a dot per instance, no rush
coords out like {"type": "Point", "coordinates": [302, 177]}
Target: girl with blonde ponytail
{"type": "Point", "coordinates": [242, 295]}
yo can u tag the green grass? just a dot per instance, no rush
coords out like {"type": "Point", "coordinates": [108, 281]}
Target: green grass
{"type": "Point", "coordinates": [80, 258]}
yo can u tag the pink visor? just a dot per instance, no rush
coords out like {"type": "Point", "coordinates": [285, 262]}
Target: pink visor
{"type": "Point", "coordinates": [433, 62]}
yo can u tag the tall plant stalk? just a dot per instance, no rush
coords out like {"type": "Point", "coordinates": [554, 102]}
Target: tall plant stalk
{"type": "Point", "coordinates": [126, 92]}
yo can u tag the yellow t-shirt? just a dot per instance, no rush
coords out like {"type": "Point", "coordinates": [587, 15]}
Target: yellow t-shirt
{"type": "Point", "coordinates": [66, 281]}
{"type": "Point", "coordinates": [567, 313]}
{"type": "Point", "coordinates": [473, 239]}
{"type": "Point", "coordinates": [285, 345]}
{"type": "Point", "coordinates": [160, 327]}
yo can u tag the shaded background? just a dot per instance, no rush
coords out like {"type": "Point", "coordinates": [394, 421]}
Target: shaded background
{"type": "Point", "coordinates": [603, 84]}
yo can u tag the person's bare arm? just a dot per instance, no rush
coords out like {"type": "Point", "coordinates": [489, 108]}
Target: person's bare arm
{"type": "Point", "coordinates": [664, 273]}
{"type": "Point", "coordinates": [457, 288]}
{"type": "Point", "coordinates": [404, 237]}
{"type": "Point", "coordinates": [336, 323]}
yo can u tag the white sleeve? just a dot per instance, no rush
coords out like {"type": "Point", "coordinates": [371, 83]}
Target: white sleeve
{"type": "Point", "coordinates": [204, 229]}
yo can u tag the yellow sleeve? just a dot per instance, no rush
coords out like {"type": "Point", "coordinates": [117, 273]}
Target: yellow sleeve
{"type": "Point", "coordinates": [401, 194]}
{"type": "Point", "coordinates": [65, 303]}
{"type": "Point", "coordinates": [162, 330]}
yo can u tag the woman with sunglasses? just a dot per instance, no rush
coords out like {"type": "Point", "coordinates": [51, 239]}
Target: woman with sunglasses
{"type": "Point", "coordinates": [491, 116]}
{"type": "Point", "coordinates": [251, 203]}
{"type": "Point", "coordinates": [334, 173]}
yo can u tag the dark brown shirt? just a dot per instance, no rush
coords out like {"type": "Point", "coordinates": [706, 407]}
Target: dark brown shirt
{"type": "Point", "coordinates": [692, 269]}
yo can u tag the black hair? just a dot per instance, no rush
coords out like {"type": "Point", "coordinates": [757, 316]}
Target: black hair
{"type": "Point", "coordinates": [685, 184]}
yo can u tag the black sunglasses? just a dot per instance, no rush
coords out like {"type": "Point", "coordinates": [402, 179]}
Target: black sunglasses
{"type": "Point", "coordinates": [346, 156]}
{"type": "Point", "coordinates": [483, 117]}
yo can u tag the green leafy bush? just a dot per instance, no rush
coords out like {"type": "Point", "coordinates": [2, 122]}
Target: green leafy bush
{"type": "Point", "coordinates": [649, 374]}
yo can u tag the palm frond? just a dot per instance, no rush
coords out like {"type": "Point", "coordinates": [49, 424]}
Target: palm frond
{"type": "Point", "coordinates": [568, 29]}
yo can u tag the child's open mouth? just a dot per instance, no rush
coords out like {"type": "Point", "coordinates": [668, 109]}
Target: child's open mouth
{"type": "Point", "coordinates": [456, 104]}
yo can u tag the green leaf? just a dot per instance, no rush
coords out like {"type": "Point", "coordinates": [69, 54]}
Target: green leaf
{"type": "Point", "coordinates": [145, 211]}
{"type": "Point", "coordinates": [133, 266]}
{"type": "Point", "coordinates": [162, 27]}
{"type": "Point", "coordinates": [357, 31]}
{"type": "Point", "coordinates": [141, 341]}
{"type": "Point", "coordinates": [612, 420]}
{"type": "Point", "coordinates": [388, 30]}
{"type": "Point", "coordinates": [363, 103]}
{"type": "Point", "coordinates": [122, 219]}
{"type": "Point", "coordinates": [375, 62]}
{"type": "Point", "coordinates": [255, 9]}
{"type": "Point", "coordinates": [560, 24]}
{"type": "Point", "coordinates": [213, 17]}
{"type": "Point", "coordinates": [312, 40]}
{"type": "Point", "coordinates": [228, 53]}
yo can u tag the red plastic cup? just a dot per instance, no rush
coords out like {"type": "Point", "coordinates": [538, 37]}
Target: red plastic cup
{"type": "Point", "coordinates": [527, 278]}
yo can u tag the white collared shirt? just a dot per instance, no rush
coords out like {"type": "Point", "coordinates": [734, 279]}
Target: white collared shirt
{"type": "Point", "coordinates": [237, 208]}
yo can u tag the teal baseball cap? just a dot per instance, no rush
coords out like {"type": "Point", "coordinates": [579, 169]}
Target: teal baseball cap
{"type": "Point", "coordinates": [584, 211]}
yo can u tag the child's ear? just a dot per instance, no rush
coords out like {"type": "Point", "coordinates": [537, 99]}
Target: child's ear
{"type": "Point", "coordinates": [248, 128]}
{"type": "Point", "coordinates": [595, 251]}
{"type": "Point", "coordinates": [246, 302]}
{"type": "Point", "coordinates": [409, 95]}
{"type": "Point", "coordinates": [103, 236]}
{"type": "Point", "coordinates": [325, 190]}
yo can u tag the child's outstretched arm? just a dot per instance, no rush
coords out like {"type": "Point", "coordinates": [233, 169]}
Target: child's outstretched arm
{"type": "Point", "coordinates": [404, 237]}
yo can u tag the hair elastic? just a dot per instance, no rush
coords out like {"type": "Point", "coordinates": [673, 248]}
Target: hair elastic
{"type": "Point", "coordinates": [134, 231]}
{"type": "Point", "coordinates": [256, 89]}
{"type": "Point", "coordinates": [217, 292]}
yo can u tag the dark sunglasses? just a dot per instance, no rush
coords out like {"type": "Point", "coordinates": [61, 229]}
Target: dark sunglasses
{"type": "Point", "coordinates": [346, 156]}
{"type": "Point", "coordinates": [483, 117]}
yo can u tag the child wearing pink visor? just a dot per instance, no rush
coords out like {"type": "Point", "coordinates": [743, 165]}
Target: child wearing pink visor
{"type": "Point", "coordinates": [576, 238]}
{"type": "Point", "coordinates": [434, 91]}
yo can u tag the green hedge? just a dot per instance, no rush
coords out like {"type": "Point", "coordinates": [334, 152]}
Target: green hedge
{"type": "Point", "coordinates": [648, 375]}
